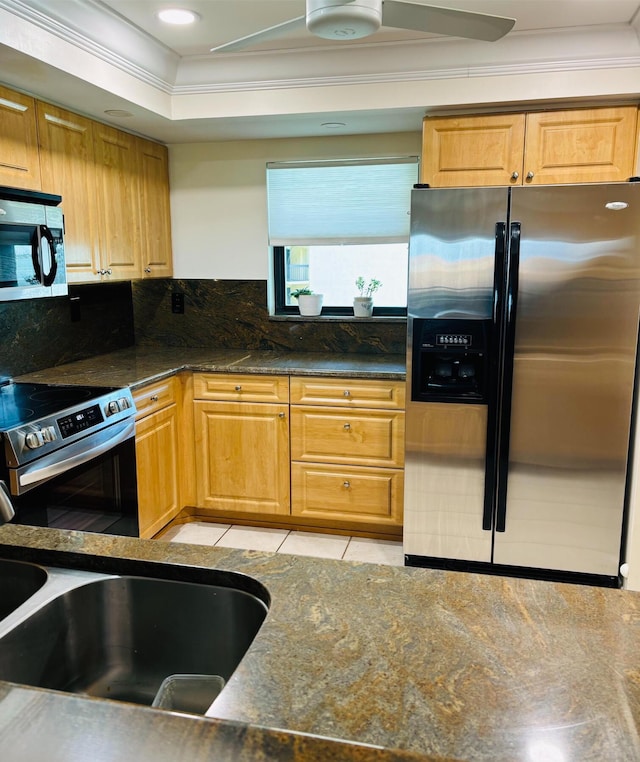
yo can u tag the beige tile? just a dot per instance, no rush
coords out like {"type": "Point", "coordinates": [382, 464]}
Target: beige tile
{"type": "Point", "coordinates": [375, 551]}
{"type": "Point", "coordinates": [314, 544]}
{"type": "Point", "coordinates": [253, 538]}
{"type": "Point", "coordinates": [196, 532]}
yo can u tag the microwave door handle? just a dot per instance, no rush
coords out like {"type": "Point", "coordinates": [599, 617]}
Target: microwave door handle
{"type": "Point", "coordinates": [46, 238]}
{"type": "Point", "coordinates": [97, 446]}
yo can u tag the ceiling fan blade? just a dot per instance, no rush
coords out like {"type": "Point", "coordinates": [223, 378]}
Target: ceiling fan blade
{"type": "Point", "coordinates": [448, 21]}
{"type": "Point", "coordinates": [264, 35]}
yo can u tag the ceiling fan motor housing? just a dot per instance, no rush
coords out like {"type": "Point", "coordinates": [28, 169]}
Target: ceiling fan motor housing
{"type": "Point", "coordinates": [340, 20]}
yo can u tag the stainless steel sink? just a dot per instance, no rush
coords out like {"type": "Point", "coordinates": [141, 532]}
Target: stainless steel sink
{"type": "Point", "coordinates": [119, 637]}
{"type": "Point", "coordinates": [18, 582]}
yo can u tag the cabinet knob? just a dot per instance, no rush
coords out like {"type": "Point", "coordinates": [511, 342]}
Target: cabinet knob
{"type": "Point", "coordinates": [109, 271]}
{"type": "Point", "coordinates": [346, 484]}
{"type": "Point", "coordinates": [530, 175]}
{"type": "Point", "coordinates": [154, 398]}
{"type": "Point", "coordinates": [347, 427]}
{"type": "Point", "coordinates": [238, 388]}
{"type": "Point", "coordinates": [347, 393]}
{"type": "Point", "coordinates": [515, 175]}
{"type": "Point", "coordinates": [280, 415]}
{"type": "Point", "coordinates": [147, 269]}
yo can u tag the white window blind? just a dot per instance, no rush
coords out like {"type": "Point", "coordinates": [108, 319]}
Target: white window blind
{"type": "Point", "coordinates": [338, 202]}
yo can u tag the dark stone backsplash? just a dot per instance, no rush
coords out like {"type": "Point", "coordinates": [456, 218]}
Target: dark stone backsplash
{"type": "Point", "coordinates": [226, 314]}
{"type": "Point", "coordinates": [232, 314]}
{"type": "Point", "coordinates": [41, 333]}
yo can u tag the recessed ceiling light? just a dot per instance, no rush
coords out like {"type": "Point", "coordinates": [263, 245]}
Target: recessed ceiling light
{"type": "Point", "coordinates": [118, 112]}
{"type": "Point", "coordinates": [333, 125]}
{"type": "Point", "coordinates": [179, 16]}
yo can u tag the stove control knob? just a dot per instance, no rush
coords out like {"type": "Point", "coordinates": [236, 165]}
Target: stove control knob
{"type": "Point", "coordinates": [112, 408]}
{"type": "Point", "coordinates": [34, 439]}
{"type": "Point", "coordinates": [49, 434]}
{"type": "Point", "coordinates": [124, 403]}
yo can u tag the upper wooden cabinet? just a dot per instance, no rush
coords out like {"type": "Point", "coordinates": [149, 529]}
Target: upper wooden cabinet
{"type": "Point", "coordinates": [472, 150]}
{"type": "Point", "coordinates": [118, 202]}
{"type": "Point", "coordinates": [581, 146]}
{"type": "Point", "coordinates": [114, 187]}
{"type": "Point", "coordinates": [155, 211]}
{"type": "Point", "coordinates": [577, 146]}
{"type": "Point", "coordinates": [19, 161]}
{"type": "Point", "coordinates": [67, 162]}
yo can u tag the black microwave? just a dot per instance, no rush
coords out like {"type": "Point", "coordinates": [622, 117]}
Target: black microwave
{"type": "Point", "coordinates": [32, 263]}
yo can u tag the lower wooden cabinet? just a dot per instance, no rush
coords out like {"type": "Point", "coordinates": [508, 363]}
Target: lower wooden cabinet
{"type": "Point", "coordinates": [347, 493]}
{"type": "Point", "coordinates": [157, 456]}
{"type": "Point", "coordinates": [347, 451]}
{"type": "Point", "coordinates": [241, 426]}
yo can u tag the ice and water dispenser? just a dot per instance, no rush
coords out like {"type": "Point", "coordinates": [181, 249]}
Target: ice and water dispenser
{"type": "Point", "coordinates": [450, 360]}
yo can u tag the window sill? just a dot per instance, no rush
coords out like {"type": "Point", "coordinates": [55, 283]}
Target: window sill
{"type": "Point", "coordinates": [339, 318]}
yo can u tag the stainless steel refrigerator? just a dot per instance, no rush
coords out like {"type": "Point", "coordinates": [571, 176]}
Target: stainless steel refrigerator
{"type": "Point", "coordinates": [521, 359]}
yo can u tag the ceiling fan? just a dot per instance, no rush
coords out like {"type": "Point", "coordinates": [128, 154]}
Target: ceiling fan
{"type": "Point", "coordinates": [353, 19]}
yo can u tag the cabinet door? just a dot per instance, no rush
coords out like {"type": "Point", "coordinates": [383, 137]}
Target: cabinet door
{"type": "Point", "coordinates": [580, 146]}
{"type": "Point", "coordinates": [68, 168]}
{"type": "Point", "coordinates": [157, 470]}
{"type": "Point", "coordinates": [242, 457]}
{"type": "Point", "coordinates": [118, 202]}
{"type": "Point", "coordinates": [472, 151]}
{"type": "Point", "coordinates": [155, 221]}
{"type": "Point", "coordinates": [19, 160]}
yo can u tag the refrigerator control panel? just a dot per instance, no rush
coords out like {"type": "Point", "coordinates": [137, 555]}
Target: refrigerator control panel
{"type": "Point", "coordinates": [457, 340]}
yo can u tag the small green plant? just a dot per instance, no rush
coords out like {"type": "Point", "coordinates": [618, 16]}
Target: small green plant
{"type": "Point", "coordinates": [367, 289]}
{"type": "Point", "coordinates": [301, 292]}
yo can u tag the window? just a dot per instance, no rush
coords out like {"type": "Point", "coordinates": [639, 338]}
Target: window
{"type": "Point", "coordinates": [331, 222]}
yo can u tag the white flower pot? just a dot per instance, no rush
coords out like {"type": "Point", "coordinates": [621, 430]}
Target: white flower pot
{"type": "Point", "coordinates": [363, 306]}
{"type": "Point", "coordinates": [310, 304]}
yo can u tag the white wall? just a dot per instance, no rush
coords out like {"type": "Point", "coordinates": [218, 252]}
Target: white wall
{"type": "Point", "coordinates": [219, 203]}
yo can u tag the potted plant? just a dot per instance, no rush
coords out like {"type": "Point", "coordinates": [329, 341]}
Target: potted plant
{"type": "Point", "coordinates": [363, 304]}
{"type": "Point", "coordinates": [310, 304]}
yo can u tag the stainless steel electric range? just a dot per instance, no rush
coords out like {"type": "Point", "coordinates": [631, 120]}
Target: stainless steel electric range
{"type": "Point", "coordinates": [68, 456]}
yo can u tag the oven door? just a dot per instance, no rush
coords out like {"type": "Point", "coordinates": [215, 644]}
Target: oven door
{"type": "Point", "coordinates": [89, 485]}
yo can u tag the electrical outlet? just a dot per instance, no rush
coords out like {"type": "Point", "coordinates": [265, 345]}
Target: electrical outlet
{"type": "Point", "coordinates": [177, 303]}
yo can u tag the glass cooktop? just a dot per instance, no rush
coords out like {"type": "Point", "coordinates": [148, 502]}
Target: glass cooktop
{"type": "Point", "coordinates": [22, 403]}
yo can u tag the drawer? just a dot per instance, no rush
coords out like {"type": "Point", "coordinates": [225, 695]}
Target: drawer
{"type": "Point", "coordinates": [156, 396]}
{"type": "Point", "coordinates": [329, 435]}
{"type": "Point", "coordinates": [348, 493]}
{"type": "Point", "coordinates": [348, 392]}
{"type": "Point", "coordinates": [240, 388]}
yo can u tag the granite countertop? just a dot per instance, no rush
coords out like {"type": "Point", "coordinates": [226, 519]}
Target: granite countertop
{"type": "Point", "coordinates": [441, 664]}
{"type": "Point", "coordinates": [137, 366]}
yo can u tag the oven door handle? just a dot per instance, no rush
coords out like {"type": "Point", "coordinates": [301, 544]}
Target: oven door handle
{"type": "Point", "coordinates": [79, 452]}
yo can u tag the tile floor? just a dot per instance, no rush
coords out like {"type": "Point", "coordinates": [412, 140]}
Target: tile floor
{"type": "Point", "coordinates": [285, 541]}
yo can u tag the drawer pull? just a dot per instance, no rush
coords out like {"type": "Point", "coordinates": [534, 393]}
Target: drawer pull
{"type": "Point", "coordinates": [154, 398]}
{"type": "Point", "coordinates": [347, 393]}
{"type": "Point", "coordinates": [346, 485]}
{"type": "Point", "coordinates": [347, 427]}
{"type": "Point", "coordinates": [238, 388]}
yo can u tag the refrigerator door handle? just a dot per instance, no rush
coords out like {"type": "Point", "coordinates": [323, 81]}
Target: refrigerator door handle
{"type": "Point", "coordinates": [491, 463]}
{"type": "Point", "coordinates": [507, 374]}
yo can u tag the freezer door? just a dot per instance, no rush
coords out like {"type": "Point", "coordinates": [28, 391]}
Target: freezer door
{"type": "Point", "coordinates": [576, 327]}
{"type": "Point", "coordinates": [444, 481]}
{"type": "Point", "coordinates": [451, 251]}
